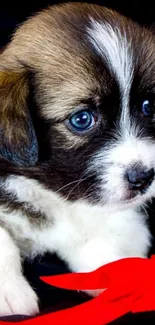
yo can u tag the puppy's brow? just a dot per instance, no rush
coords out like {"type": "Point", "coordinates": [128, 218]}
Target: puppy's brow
{"type": "Point", "coordinates": [114, 46]}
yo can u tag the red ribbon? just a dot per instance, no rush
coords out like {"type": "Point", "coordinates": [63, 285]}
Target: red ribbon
{"type": "Point", "coordinates": [129, 287]}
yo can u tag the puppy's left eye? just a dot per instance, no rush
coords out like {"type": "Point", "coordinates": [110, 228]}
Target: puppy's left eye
{"type": "Point", "coordinates": [82, 121]}
{"type": "Point", "coordinates": [148, 107]}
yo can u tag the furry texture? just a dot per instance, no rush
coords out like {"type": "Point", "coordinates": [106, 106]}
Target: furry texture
{"type": "Point", "coordinates": [63, 190]}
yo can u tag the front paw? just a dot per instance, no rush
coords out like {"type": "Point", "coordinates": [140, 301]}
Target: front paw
{"type": "Point", "coordinates": [17, 297]}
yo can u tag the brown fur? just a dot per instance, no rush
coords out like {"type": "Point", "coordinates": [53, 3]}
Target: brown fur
{"type": "Point", "coordinates": [13, 95]}
{"type": "Point", "coordinates": [50, 44]}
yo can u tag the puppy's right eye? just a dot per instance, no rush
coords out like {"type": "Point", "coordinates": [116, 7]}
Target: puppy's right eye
{"type": "Point", "coordinates": [148, 107]}
{"type": "Point", "coordinates": [82, 121]}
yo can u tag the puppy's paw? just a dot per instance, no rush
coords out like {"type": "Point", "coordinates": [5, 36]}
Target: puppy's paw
{"type": "Point", "coordinates": [17, 297]}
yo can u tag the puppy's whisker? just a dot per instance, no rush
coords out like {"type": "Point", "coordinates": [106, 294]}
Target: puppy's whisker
{"type": "Point", "coordinates": [144, 208]}
{"type": "Point", "coordinates": [79, 182]}
{"type": "Point", "coordinates": [84, 195]}
{"type": "Point", "coordinates": [68, 184]}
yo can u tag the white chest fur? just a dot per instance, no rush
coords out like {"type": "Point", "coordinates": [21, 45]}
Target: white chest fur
{"type": "Point", "coordinates": [84, 236]}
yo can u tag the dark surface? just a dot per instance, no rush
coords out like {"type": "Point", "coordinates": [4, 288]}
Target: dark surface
{"type": "Point", "coordinates": [53, 299]}
{"type": "Point", "coordinates": [51, 296]}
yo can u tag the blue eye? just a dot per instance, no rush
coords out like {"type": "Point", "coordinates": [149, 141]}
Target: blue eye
{"type": "Point", "coordinates": [82, 121]}
{"type": "Point", "coordinates": [147, 107]}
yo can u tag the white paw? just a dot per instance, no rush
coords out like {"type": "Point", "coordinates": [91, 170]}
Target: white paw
{"type": "Point", "coordinates": [17, 297]}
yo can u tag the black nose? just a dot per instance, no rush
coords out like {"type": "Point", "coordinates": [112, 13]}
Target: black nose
{"type": "Point", "coordinates": [139, 177]}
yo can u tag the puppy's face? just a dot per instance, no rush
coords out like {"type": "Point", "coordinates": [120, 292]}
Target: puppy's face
{"type": "Point", "coordinates": [77, 88]}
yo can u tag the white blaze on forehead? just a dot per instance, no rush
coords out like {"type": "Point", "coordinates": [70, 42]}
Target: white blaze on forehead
{"type": "Point", "coordinates": [112, 44]}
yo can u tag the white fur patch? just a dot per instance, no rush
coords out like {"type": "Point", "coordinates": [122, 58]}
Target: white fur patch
{"type": "Point", "coordinates": [113, 45]}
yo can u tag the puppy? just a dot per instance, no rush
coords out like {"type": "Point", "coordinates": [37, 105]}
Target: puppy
{"type": "Point", "coordinates": [77, 144]}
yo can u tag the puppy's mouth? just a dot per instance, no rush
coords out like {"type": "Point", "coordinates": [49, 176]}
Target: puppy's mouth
{"type": "Point", "coordinates": [136, 197]}
{"type": "Point", "coordinates": [133, 195]}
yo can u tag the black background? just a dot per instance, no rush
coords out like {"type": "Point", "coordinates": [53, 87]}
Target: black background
{"type": "Point", "coordinates": [13, 13]}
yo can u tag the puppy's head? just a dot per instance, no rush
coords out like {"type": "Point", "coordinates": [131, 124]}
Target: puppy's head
{"type": "Point", "coordinates": [77, 102]}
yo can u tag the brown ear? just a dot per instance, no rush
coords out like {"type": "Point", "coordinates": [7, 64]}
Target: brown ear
{"type": "Point", "coordinates": [18, 142]}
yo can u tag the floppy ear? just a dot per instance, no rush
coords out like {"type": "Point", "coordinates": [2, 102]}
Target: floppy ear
{"type": "Point", "coordinates": [18, 142]}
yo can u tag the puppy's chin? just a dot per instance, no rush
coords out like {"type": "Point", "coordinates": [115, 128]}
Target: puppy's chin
{"type": "Point", "coordinates": [129, 200]}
